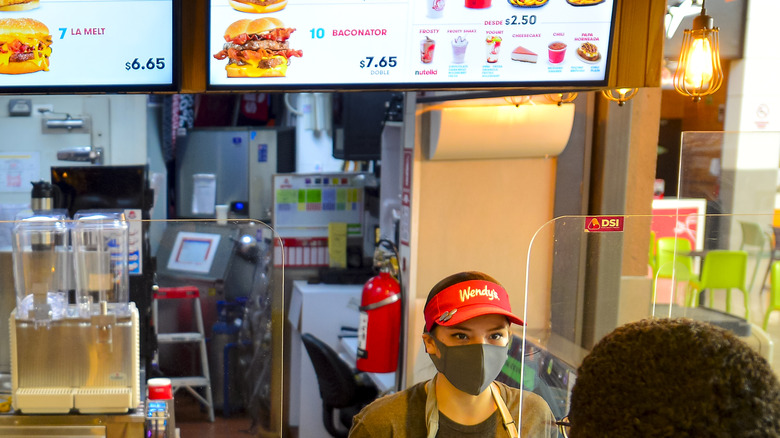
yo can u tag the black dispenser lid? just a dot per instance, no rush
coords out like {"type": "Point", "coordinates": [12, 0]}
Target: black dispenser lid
{"type": "Point", "coordinates": [42, 189]}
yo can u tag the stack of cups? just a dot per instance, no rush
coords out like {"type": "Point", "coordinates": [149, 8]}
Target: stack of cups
{"type": "Point", "coordinates": [160, 419]}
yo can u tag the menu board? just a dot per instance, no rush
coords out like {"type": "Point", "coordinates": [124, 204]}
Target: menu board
{"type": "Point", "coordinates": [455, 44]}
{"type": "Point", "coordinates": [90, 45]}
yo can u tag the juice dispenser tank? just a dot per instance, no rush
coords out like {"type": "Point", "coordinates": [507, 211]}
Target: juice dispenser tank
{"type": "Point", "coordinates": [100, 262]}
{"type": "Point", "coordinates": [42, 267]}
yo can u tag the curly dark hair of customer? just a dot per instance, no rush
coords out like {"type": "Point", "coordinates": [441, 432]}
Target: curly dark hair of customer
{"type": "Point", "coordinates": [674, 378]}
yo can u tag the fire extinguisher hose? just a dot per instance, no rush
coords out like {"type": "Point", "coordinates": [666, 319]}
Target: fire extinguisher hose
{"type": "Point", "coordinates": [389, 300]}
{"type": "Point", "coordinates": [400, 376]}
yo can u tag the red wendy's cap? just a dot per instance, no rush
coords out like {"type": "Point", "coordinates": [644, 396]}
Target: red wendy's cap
{"type": "Point", "coordinates": [468, 299]}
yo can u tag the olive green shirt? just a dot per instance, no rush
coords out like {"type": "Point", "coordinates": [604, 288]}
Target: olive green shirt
{"type": "Point", "coordinates": [402, 415]}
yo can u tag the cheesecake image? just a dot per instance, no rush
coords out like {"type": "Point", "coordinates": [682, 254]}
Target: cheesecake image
{"type": "Point", "coordinates": [524, 55]}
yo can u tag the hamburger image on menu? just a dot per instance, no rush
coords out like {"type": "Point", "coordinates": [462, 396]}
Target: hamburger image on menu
{"type": "Point", "coordinates": [258, 6]}
{"type": "Point", "coordinates": [257, 48]}
{"type": "Point", "coordinates": [18, 5]}
{"type": "Point", "coordinates": [25, 46]}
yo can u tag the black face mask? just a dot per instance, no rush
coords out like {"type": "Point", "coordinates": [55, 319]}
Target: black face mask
{"type": "Point", "coordinates": [470, 368]}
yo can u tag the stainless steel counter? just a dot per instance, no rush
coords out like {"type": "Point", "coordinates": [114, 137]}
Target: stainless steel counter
{"type": "Point", "coordinates": [130, 425]}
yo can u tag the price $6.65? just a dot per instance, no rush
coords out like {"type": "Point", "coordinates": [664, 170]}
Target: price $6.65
{"type": "Point", "coordinates": [150, 64]}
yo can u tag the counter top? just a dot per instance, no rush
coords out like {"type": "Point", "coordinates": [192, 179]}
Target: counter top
{"type": "Point", "coordinates": [128, 425]}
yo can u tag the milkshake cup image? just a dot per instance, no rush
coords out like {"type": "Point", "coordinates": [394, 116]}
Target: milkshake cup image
{"type": "Point", "coordinates": [556, 52]}
{"type": "Point", "coordinates": [459, 45]}
{"type": "Point", "coordinates": [435, 8]}
{"type": "Point", "coordinates": [493, 44]}
{"type": "Point", "coordinates": [426, 50]}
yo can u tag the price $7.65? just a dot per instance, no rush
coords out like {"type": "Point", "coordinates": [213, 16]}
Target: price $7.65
{"type": "Point", "coordinates": [385, 61]}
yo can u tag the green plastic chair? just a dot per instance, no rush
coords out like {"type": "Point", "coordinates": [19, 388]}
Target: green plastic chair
{"type": "Point", "coordinates": [651, 258]}
{"type": "Point", "coordinates": [672, 260]}
{"type": "Point", "coordinates": [774, 292]}
{"type": "Point", "coordinates": [754, 240]}
{"type": "Point", "coordinates": [722, 269]}
{"type": "Point", "coordinates": [774, 254]}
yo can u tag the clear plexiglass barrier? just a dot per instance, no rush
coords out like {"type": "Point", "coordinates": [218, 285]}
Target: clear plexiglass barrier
{"type": "Point", "coordinates": [204, 299]}
{"type": "Point", "coordinates": [704, 252]}
{"type": "Point", "coordinates": [588, 275]}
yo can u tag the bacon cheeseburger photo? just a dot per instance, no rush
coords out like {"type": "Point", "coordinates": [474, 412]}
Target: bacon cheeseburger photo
{"type": "Point", "coordinates": [258, 6]}
{"type": "Point", "coordinates": [24, 46]}
{"type": "Point", "coordinates": [257, 48]}
{"type": "Point", "coordinates": [18, 5]}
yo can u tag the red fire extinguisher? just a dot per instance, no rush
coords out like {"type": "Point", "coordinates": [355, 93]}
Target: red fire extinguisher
{"type": "Point", "coordinates": [380, 325]}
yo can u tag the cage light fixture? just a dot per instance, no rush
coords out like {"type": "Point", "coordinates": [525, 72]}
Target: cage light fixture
{"type": "Point", "coordinates": [699, 72]}
{"type": "Point", "coordinates": [561, 98]}
{"type": "Point", "coordinates": [619, 95]}
{"type": "Point", "coordinates": [518, 100]}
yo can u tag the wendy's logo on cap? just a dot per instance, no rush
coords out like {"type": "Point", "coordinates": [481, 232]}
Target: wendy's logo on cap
{"type": "Point", "coordinates": [447, 315]}
{"type": "Point", "coordinates": [467, 293]}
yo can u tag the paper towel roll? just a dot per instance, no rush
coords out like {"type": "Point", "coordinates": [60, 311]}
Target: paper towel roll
{"type": "Point", "coordinates": [500, 131]}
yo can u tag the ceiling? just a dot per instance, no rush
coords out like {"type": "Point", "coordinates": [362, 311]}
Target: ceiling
{"type": "Point", "coordinates": [729, 17]}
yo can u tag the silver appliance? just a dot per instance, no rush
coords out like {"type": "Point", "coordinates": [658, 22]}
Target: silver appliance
{"type": "Point", "coordinates": [242, 161]}
{"type": "Point", "coordinates": [73, 349]}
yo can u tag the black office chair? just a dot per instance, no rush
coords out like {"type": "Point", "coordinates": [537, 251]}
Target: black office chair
{"type": "Point", "coordinates": [341, 388]}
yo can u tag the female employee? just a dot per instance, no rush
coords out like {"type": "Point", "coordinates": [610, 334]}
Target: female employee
{"type": "Point", "coordinates": [467, 319]}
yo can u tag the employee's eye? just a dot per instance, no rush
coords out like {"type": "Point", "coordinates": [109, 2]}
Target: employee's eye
{"type": "Point", "coordinates": [497, 336]}
{"type": "Point", "coordinates": [460, 336]}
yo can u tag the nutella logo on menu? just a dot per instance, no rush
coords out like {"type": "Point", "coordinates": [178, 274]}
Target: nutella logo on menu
{"type": "Point", "coordinates": [468, 293]}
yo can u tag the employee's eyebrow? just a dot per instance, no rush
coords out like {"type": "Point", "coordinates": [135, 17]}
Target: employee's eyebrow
{"type": "Point", "coordinates": [466, 329]}
{"type": "Point", "coordinates": [459, 327]}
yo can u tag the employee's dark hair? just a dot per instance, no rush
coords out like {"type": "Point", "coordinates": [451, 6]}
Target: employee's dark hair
{"type": "Point", "coordinates": [674, 378]}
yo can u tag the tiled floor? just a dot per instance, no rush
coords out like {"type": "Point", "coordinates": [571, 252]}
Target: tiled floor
{"type": "Point", "coordinates": [193, 422]}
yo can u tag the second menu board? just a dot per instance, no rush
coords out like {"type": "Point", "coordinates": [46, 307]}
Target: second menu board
{"type": "Point", "coordinates": [408, 43]}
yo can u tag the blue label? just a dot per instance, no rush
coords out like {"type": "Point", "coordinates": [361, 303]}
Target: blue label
{"type": "Point", "coordinates": [262, 153]}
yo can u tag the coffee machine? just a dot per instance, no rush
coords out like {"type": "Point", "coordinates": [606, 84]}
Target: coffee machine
{"type": "Point", "coordinates": [74, 333]}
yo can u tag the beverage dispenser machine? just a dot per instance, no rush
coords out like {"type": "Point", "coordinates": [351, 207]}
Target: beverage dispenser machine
{"type": "Point", "coordinates": [73, 348]}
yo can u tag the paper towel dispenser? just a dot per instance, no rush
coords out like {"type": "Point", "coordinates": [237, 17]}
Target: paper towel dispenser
{"type": "Point", "coordinates": [461, 131]}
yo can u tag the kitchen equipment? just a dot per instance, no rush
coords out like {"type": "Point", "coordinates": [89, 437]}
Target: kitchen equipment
{"type": "Point", "coordinates": [125, 188]}
{"type": "Point", "coordinates": [73, 349]}
{"type": "Point", "coordinates": [42, 196]}
{"type": "Point", "coordinates": [241, 160]}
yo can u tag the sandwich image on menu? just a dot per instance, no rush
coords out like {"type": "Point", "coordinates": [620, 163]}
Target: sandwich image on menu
{"type": "Point", "coordinates": [25, 46]}
{"type": "Point", "coordinates": [257, 48]}
{"type": "Point", "coordinates": [18, 5]}
{"type": "Point", "coordinates": [257, 6]}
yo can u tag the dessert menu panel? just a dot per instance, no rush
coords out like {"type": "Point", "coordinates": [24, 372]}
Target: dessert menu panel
{"type": "Point", "coordinates": [87, 44]}
{"type": "Point", "coordinates": [410, 43]}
